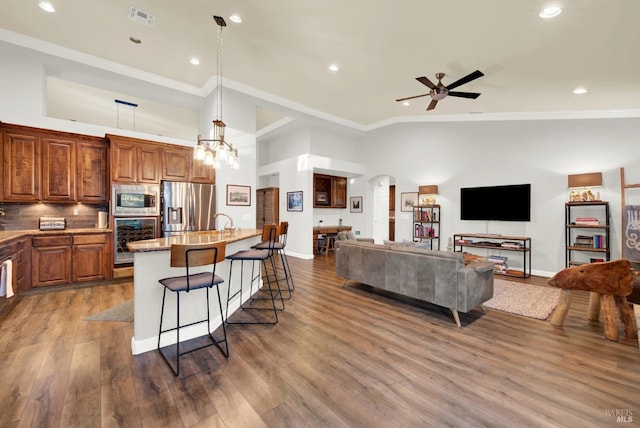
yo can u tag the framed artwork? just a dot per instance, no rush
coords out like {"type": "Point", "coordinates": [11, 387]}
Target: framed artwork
{"type": "Point", "coordinates": [322, 198]}
{"type": "Point", "coordinates": [355, 204]}
{"type": "Point", "coordinates": [238, 195]}
{"type": "Point", "coordinates": [408, 200]}
{"type": "Point", "coordinates": [294, 201]}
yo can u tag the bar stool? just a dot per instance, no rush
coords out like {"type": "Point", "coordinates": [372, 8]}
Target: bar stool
{"type": "Point", "coordinates": [279, 247]}
{"type": "Point", "coordinates": [329, 243]}
{"type": "Point", "coordinates": [190, 256]}
{"type": "Point", "coordinates": [270, 235]}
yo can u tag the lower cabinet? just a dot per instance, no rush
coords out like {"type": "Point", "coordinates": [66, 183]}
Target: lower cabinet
{"type": "Point", "coordinates": [23, 257]}
{"type": "Point", "coordinates": [63, 259]}
{"type": "Point", "coordinates": [50, 260]}
{"type": "Point", "coordinates": [89, 255]}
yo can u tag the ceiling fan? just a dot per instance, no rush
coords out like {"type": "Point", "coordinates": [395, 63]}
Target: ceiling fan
{"type": "Point", "coordinates": [440, 91]}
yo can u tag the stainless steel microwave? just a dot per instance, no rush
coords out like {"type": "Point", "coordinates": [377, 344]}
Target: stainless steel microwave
{"type": "Point", "coordinates": [128, 200]}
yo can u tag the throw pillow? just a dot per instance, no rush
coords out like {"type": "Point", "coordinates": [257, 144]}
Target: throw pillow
{"type": "Point", "coordinates": [351, 235]}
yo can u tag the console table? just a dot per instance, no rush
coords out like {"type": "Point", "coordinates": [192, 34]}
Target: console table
{"type": "Point", "coordinates": [520, 244]}
{"type": "Point", "coordinates": [322, 230]}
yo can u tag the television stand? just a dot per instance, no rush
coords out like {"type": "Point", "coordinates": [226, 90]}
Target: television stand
{"type": "Point", "coordinates": [520, 244]}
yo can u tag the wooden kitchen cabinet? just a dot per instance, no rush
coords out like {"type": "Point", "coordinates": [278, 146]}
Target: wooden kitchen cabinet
{"type": "Point", "coordinates": [58, 170]}
{"type": "Point", "coordinates": [65, 259]}
{"type": "Point", "coordinates": [123, 162]}
{"type": "Point", "coordinates": [50, 260]}
{"type": "Point", "coordinates": [41, 165]}
{"type": "Point", "coordinates": [201, 173]}
{"type": "Point", "coordinates": [23, 260]}
{"type": "Point", "coordinates": [21, 167]}
{"type": "Point", "coordinates": [91, 257]}
{"type": "Point", "coordinates": [176, 163]}
{"type": "Point", "coordinates": [92, 171]}
{"type": "Point", "coordinates": [134, 161]}
{"type": "Point", "coordinates": [149, 164]}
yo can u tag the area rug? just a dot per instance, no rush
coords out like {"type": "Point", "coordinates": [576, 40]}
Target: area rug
{"type": "Point", "coordinates": [122, 312]}
{"type": "Point", "coordinates": [533, 301]}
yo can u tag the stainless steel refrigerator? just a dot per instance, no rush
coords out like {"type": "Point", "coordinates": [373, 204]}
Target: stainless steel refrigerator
{"type": "Point", "coordinates": [187, 207]}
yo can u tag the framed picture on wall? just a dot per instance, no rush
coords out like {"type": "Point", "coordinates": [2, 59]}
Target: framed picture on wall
{"type": "Point", "coordinates": [355, 204]}
{"type": "Point", "coordinates": [408, 200]}
{"type": "Point", "coordinates": [294, 201]}
{"type": "Point", "coordinates": [238, 195]}
{"type": "Point", "coordinates": [322, 198]}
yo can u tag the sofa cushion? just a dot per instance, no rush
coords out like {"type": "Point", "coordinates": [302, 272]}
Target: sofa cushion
{"type": "Point", "coordinates": [435, 253]}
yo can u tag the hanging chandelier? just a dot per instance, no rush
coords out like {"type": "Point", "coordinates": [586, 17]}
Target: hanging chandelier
{"type": "Point", "coordinates": [216, 150]}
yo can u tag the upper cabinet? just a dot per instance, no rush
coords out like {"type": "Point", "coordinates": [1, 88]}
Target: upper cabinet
{"type": "Point", "coordinates": [176, 163]}
{"type": "Point", "coordinates": [92, 173]}
{"type": "Point", "coordinates": [49, 166]}
{"type": "Point", "coordinates": [58, 170]}
{"type": "Point", "coordinates": [21, 175]}
{"type": "Point", "coordinates": [134, 161]}
{"type": "Point", "coordinates": [201, 173]}
{"type": "Point", "coordinates": [329, 191]}
{"type": "Point", "coordinates": [149, 162]}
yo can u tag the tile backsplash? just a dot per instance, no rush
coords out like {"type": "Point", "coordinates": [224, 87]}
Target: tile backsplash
{"type": "Point", "coordinates": [27, 216]}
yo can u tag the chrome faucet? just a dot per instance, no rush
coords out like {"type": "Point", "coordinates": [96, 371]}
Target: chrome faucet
{"type": "Point", "coordinates": [228, 225]}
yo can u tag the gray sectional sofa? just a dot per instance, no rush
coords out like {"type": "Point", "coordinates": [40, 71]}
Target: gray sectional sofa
{"type": "Point", "coordinates": [437, 277]}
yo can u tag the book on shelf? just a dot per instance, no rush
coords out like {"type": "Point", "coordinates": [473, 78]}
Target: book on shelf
{"type": "Point", "coordinates": [512, 244]}
{"type": "Point", "coordinates": [425, 215]}
{"type": "Point", "coordinates": [464, 241]}
{"type": "Point", "coordinates": [587, 221]}
{"type": "Point", "coordinates": [596, 260]}
{"type": "Point", "coordinates": [583, 241]}
{"type": "Point", "coordinates": [497, 259]}
{"type": "Point", "coordinates": [424, 231]}
{"type": "Point", "coordinates": [598, 241]}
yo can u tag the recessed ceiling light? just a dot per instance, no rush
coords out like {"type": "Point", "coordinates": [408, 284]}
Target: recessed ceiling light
{"type": "Point", "coordinates": [579, 91]}
{"type": "Point", "coordinates": [550, 12]}
{"type": "Point", "coordinates": [135, 40]}
{"type": "Point", "coordinates": [235, 18]}
{"type": "Point", "coordinates": [333, 67]}
{"type": "Point", "coordinates": [406, 103]}
{"type": "Point", "coordinates": [194, 61]}
{"type": "Point", "coordinates": [46, 6]}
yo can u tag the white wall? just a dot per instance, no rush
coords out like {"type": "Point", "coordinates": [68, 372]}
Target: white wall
{"type": "Point", "coordinates": [543, 153]}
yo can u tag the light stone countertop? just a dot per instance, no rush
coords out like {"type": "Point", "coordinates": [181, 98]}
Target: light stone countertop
{"type": "Point", "coordinates": [9, 235]}
{"type": "Point", "coordinates": [202, 237]}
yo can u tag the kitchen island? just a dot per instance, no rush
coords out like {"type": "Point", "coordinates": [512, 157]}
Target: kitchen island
{"type": "Point", "coordinates": [151, 263]}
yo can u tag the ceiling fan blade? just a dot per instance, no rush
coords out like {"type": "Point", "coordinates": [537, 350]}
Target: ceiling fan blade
{"type": "Point", "coordinates": [410, 98]}
{"type": "Point", "coordinates": [466, 79]}
{"type": "Point", "coordinates": [426, 82]}
{"type": "Point", "coordinates": [473, 95]}
{"type": "Point", "coordinates": [432, 105]}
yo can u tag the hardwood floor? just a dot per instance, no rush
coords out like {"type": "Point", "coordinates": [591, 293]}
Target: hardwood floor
{"type": "Point", "coordinates": [341, 356]}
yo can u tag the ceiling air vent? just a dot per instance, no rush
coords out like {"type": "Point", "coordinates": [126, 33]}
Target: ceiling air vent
{"type": "Point", "coordinates": [141, 16]}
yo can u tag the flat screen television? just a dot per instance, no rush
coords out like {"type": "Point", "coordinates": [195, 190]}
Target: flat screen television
{"type": "Point", "coordinates": [501, 203]}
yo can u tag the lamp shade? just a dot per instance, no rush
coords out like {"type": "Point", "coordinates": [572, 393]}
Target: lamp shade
{"type": "Point", "coordinates": [428, 190]}
{"type": "Point", "coordinates": [592, 179]}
